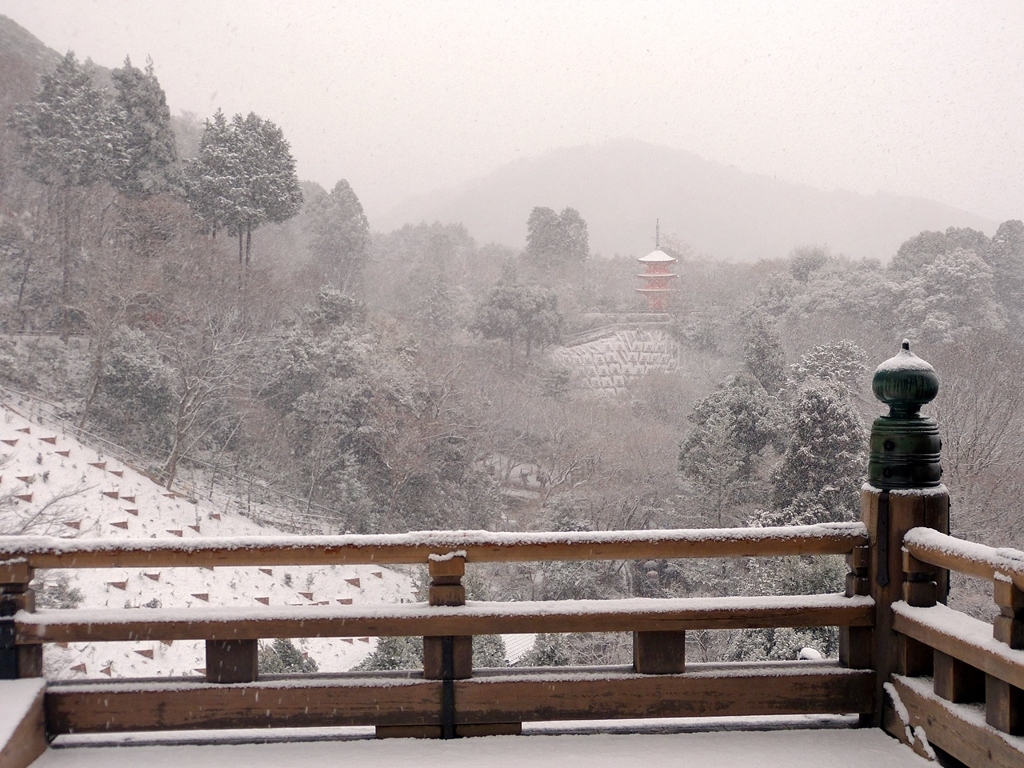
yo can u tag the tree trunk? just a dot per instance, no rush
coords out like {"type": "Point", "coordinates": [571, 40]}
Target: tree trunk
{"type": "Point", "coordinates": [171, 467]}
{"type": "Point", "coordinates": [248, 243]}
{"type": "Point", "coordinates": [93, 390]}
{"type": "Point", "coordinates": [65, 249]}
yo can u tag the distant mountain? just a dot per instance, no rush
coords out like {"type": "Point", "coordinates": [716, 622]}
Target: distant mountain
{"type": "Point", "coordinates": [622, 186]}
{"type": "Point", "coordinates": [22, 58]}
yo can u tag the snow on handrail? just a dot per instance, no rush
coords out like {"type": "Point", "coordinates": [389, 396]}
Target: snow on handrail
{"type": "Point", "coordinates": [416, 547]}
{"type": "Point", "coordinates": [944, 551]}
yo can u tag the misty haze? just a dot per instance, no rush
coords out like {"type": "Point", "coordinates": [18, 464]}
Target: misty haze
{"type": "Point", "coordinates": [331, 269]}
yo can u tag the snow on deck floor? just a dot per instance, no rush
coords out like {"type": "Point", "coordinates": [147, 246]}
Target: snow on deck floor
{"type": "Point", "coordinates": [798, 748]}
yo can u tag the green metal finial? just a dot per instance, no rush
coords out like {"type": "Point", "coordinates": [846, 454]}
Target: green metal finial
{"type": "Point", "coordinates": [905, 445]}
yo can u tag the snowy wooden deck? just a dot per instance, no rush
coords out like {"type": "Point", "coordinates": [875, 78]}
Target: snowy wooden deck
{"type": "Point", "coordinates": [716, 743]}
{"type": "Point", "coordinates": [927, 675]}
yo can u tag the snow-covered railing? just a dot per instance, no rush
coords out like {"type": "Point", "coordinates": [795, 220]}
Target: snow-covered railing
{"type": "Point", "coordinates": [969, 661]}
{"type": "Point", "coordinates": [448, 696]}
{"type": "Point", "coordinates": [418, 547]}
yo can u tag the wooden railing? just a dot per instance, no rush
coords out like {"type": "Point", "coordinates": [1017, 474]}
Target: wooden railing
{"type": "Point", "coordinates": [970, 662]}
{"type": "Point", "coordinates": [449, 696]}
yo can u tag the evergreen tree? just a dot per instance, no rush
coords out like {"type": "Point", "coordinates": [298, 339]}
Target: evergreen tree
{"type": "Point", "coordinates": [1006, 257]}
{"type": "Point", "coordinates": [841, 362]}
{"type": "Point", "coordinates": [394, 653]}
{"type": "Point", "coordinates": [137, 388]}
{"type": "Point", "coordinates": [556, 240]}
{"type": "Point", "coordinates": [150, 152]}
{"type": "Point", "coordinates": [543, 236]}
{"type": "Point", "coordinates": [71, 140]}
{"type": "Point", "coordinates": [243, 177]}
{"type": "Point", "coordinates": [281, 657]}
{"type": "Point", "coordinates": [804, 262]}
{"type": "Point", "coordinates": [548, 651]}
{"type": "Point", "coordinates": [721, 454]}
{"type": "Point", "coordinates": [762, 352]}
{"type": "Point", "coordinates": [949, 297]}
{"type": "Point", "coordinates": [575, 239]}
{"type": "Point", "coordinates": [435, 305]}
{"type": "Point", "coordinates": [522, 315]}
{"type": "Point", "coordinates": [340, 235]}
{"type": "Point", "coordinates": [819, 476]}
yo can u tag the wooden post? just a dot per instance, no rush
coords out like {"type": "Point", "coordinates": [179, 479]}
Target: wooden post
{"type": "Point", "coordinates": [1009, 624]}
{"type": "Point", "coordinates": [1004, 703]}
{"type": "Point", "coordinates": [447, 658]}
{"type": "Point", "coordinates": [659, 653]}
{"type": "Point", "coordinates": [232, 661]}
{"type": "Point", "coordinates": [914, 658]}
{"type": "Point", "coordinates": [1004, 706]}
{"type": "Point", "coordinates": [15, 595]}
{"type": "Point", "coordinates": [919, 587]}
{"type": "Point", "coordinates": [957, 681]}
{"type": "Point", "coordinates": [446, 589]}
{"type": "Point", "coordinates": [888, 516]}
{"type": "Point", "coordinates": [855, 642]}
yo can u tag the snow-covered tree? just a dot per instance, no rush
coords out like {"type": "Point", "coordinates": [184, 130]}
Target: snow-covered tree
{"type": "Point", "coordinates": [521, 315]}
{"type": "Point", "coordinates": [818, 479]}
{"type": "Point", "coordinates": [554, 240]}
{"type": "Point", "coordinates": [135, 384]}
{"type": "Point", "coordinates": [71, 139]}
{"type": "Point", "coordinates": [340, 235]}
{"type": "Point", "coordinates": [762, 351]}
{"type": "Point", "coordinates": [1006, 257]}
{"type": "Point", "coordinates": [575, 239]}
{"type": "Point", "coordinates": [804, 262]}
{"type": "Point", "coordinates": [842, 362]}
{"type": "Point", "coordinates": [243, 177]}
{"type": "Point", "coordinates": [149, 147]}
{"type": "Point", "coordinates": [281, 657]}
{"type": "Point", "coordinates": [721, 454]}
{"type": "Point", "coordinates": [950, 296]}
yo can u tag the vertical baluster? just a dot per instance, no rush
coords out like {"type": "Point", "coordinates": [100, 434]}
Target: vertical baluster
{"type": "Point", "coordinates": [1004, 703]}
{"type": "Point", "coordinates": [855, 642]}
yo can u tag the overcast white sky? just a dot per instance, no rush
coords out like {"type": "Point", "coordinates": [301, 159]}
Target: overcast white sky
{"type": "Point", "coordinates": [917, 98]}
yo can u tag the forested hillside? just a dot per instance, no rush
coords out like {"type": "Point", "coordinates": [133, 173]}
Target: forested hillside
{"type": "Point", "coordinates": [175, 287]}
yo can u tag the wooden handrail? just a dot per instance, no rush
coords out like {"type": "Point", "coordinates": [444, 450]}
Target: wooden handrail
{"type": "Point", "coordinates": [930, 546]}
{"type": "Point", "coordinates": [481, 618]}
{"type": "Point", "coordinates": [478, 546]}
{"type": "Point", "coordinates": [961, 637]}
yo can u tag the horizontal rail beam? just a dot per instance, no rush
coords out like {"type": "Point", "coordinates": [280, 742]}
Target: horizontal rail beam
{"type": "Point", "coordinates": [957, 729]}
{"type": "Point", "coordinates": [476, 618]}
{"type": "Point", "coordinates": [966, 557]}
{"type": "Point", "coordinates": [962, 637]}
{"type": "Point", "coordinates": [728, 689]}
{"type": "Point", "coordinates": [478, 546]}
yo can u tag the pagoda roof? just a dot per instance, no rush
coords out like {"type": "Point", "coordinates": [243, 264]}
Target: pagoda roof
{"type": "Point", "coordinates": [656, 255]}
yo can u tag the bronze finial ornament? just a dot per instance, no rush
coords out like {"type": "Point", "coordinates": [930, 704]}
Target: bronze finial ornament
{"type": "Point", "coordinates": [904, 444]}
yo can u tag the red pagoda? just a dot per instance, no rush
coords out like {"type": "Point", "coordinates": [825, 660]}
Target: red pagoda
{"type": "Point", "coordinates": [657, 278]}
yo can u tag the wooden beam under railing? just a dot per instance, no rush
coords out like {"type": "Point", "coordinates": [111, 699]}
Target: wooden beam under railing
{"type": "Point", "coordinates": [483, 618]}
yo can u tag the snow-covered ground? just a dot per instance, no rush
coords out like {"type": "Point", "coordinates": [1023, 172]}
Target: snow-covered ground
{"type": "Point", "coordinates": [834, 748]}
{"type": "Point", "coordinates": [60, 487]}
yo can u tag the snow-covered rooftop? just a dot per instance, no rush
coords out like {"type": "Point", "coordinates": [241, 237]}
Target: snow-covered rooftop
{"type": "Point", "coordinates": [655, 256]}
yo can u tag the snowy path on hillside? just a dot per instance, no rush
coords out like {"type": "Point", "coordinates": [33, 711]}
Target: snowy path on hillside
{"type": "Point", "coordinates": [720, 749]}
